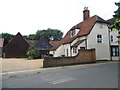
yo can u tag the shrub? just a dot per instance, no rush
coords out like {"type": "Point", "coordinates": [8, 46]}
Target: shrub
{"type": "Point", "coordinates": [33, 53]}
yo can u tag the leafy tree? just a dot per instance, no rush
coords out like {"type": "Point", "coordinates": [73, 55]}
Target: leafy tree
{"type": "Point", "coordinates": [7, 37]}
{"type": "Point", "coordinates": [25, 36]}
{"type": "Point", "coordinates": [29, 37]}
{"type": "Point", "coordinates": [49, 34]}
{"type": "Point", "coordinates": [33, 53]}
{"type": "Point", "coordinates": [116, 25]}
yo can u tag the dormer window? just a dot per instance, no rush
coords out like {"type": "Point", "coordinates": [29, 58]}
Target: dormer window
{"type": "Point", "coordinates": [74, 32]}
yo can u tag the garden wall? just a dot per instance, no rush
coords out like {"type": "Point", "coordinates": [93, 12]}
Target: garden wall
{"type": "Point", "coordinates": [84, 56]}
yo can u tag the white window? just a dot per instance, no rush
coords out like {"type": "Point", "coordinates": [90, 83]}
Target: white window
{"type": "Point", "coordinates": [99, 38]}
{"type": "Point", "coordinates": [112, 39]}
{"type": "Point", "coordinates": [74, 50]}
{"type": "Point", "coordinates": [73, 32]}
{"type": "Point", "coordinates": [100, 25]}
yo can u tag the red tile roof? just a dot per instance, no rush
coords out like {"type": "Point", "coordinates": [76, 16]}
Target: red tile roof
{"type": "Point", "coordinates": [77, 43]}
{"type": "Point", "coordinates": [1, 42]}
{"type": "Point", "coordinates": [85, 28]}
{"type": "Point", "coordinates": [55, 44]}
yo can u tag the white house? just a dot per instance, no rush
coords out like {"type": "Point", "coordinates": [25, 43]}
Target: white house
{"type": "Point", "coordinates": [115, 48]}
{"type": "Point", "coordinates": [92, 32]}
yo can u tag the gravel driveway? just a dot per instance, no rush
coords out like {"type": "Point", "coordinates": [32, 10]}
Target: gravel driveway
{"type": "Point", "coordinates": [19, 64]}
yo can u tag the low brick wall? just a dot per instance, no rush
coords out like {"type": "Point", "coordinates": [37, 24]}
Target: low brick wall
{"type": "Point", "coordinates": [84, 56]}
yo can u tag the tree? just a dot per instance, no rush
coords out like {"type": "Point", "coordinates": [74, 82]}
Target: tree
{"type": "Point", "coordinates": [49, 34]}
{"type": "Point", "coordinates": [33, 53]}
{"type": "Point", "coordinates": [29, 37]}
{"type": "Point", "coordinates": [7, 37]}
{"type": "Point", "coordinates": [116, 25]}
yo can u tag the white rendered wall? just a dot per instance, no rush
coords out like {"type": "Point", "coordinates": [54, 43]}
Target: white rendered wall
{"type": "Point", "coordinates": [115, 58]}
{"type": "Point", "coordinates": [59, 52]}
{"type": "Point", "coordinates": [102, 49]}
{"type": "Point", "coordinates": [78, 47]}
{"type": "Point", "coordinates": [67, 46]}
{"type": "Point", "coordinates": [115, 39]}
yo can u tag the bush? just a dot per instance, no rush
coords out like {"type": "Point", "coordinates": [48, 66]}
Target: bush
{"type": "Point", "coordinates": [33, 53]}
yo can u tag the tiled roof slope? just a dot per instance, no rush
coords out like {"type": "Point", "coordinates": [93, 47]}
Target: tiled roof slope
{"type": "Point", "coordinates": [55, 44]}
{"type": "Point", "coordinates": [111, 21]}
{"type": "Point", "coordinates": [32, 42]}
{"type": "Point", "coordinates": [1, 42]}
{"type": "Point", "coordinates": [43, 44]}
{"type": "Point", "coordinates": [85, 28]}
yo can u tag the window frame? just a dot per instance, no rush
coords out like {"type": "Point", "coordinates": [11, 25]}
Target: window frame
{"type": "Point", "coordinates": [111, 38]}
{"type": "Point", "coordinates": [73, 32]}
{"type": "Point", "coordinates": [114, 51]}
{"type": "Point", "coordinates": [99, 38]}
{"type": "Point", "coordinates": [74, 50]}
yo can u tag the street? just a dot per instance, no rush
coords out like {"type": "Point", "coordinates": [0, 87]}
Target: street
{"type": "Point", "coordinates": [86, 76]}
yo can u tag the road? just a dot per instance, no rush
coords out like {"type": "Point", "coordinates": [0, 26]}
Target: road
{"type": "Point", "coordinates": [86, 76]}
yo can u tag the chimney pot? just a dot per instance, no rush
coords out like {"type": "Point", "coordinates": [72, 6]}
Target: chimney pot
{"type": "Point", "coordinates": [86, 13]}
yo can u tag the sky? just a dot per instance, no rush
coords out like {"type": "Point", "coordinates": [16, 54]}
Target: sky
{"type": "Point", "coordinates": [27, 16]}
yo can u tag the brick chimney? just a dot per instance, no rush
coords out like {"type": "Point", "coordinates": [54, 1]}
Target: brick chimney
{"type": "Point", "coordinates": [86, 13]}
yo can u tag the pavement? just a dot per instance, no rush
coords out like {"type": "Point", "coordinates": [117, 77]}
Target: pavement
{"type": "Point", "coordinates": [40, 68]}
{"type": "Point", "coordinates": [15, 64]}
{"type": "Point", "coordinates": [97, 75]}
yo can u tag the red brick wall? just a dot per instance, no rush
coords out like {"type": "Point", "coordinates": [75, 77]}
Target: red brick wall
{"type": "Point", "coordinates": [84, 56]}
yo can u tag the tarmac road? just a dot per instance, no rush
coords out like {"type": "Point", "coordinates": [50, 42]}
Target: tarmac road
{"type": "Point", "coordinates": [81, 76]}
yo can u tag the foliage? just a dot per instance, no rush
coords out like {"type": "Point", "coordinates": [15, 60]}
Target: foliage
{"type": "Point", "coordinates": [116, 26]}
{"type": "Point", "coordinates": [7, 37]}
{"type": "Point", "coordinates": [29, 37]}
{"type": "Point", "coordinates": [33, 53]}
{"type": "Point", "coordinates": [49, 34]}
